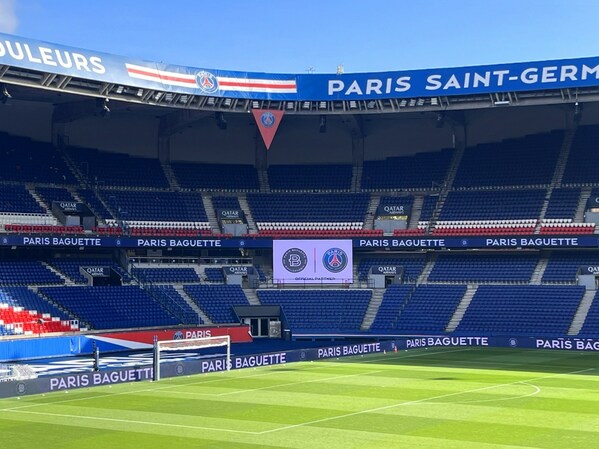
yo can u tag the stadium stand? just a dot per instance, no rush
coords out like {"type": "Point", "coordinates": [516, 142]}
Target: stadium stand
{"type": "Point", "coordinates": [286, 178]}
{"type": "Point", "coordinates": [102, 168]}
{"type": "Point", "coordinates": [320, 310]}
{"type": "Point", "coordinates": [165, 275]}
{"type": "Point", "coordinates": [484, 268]}
{"type": "Point", "coordinates": [428, 309]}
{"type": "Point", "coordinates": [221, 177]}
{"type": "Point", "coordinates": [217, 301]}
{"type": "Point", "coordinates": [311, 211]}
{"type": "Point", "coordinates": [110, 307]}
{"type": "Point", "coordinates": [24, 160]}
{"type": "Point", "coordinates": [17, 272]}
{"type": "Point", "coordinates": [419, 172]}
{"type": "Point", "coordinates": [523, 309]}
{"type": "Point", "coordinates": [508, 163]}
{"type": "Point", "coordinates": [581, 168]}
{"type": "Point", "coordinates": [563, 266]}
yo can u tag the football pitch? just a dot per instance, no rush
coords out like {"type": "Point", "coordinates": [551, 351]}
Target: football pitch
{"type": "Point", "coordinates": [437, 398]}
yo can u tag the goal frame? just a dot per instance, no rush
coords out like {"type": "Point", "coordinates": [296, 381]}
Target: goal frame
{"type": "Point", "coordinates": [186, 344]}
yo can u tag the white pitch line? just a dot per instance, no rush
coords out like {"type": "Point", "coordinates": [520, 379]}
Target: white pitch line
{"type": "Point", "coordinates": [536, 391]}
{"type": "Point", "coordinates": [417, 401]}
{"type": "Point", "coordinates": [295, 383]}
{"type": "Point", "coordinates": [130, 421]}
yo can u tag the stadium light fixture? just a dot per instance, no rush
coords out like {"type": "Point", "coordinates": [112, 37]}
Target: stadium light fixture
{"type": "Point", "coordinates": [440, 123]}
{"type": "Point", "coordinates": [255, 105]}
{"type": "Point", "coordinates": [420, 102]}
{"type": "Point", "coordinates": [290, 105]}
{"type": "Point", "coordinates": [322, 125]}
{"type": "Point", "coordinates": [102, 106]}
{"type": "Point", "coordinates": [322, 105]}
{"type": "Point", "coordinates": [120, 89]}
{"type": "Point", "coordinates": [502, 103]}
{"type": "Point", "coordinates": [228, 102]}
{"type": "Point", "coordinates": [412, 102]}
{"type": "Point", "coordinates": [403, 103]}
{"type": "Point", "coordinates": [4, 94]}
{"type": "Point", "coordinates": [211, 101]}
{"type": "Point", "coordinates": [353, 104]}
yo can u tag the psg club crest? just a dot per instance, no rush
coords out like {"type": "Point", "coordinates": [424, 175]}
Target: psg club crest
{"type": "Point", "coordinates": [335, 260]}
{"type": "Point", "coordinates": [178, 335]}
{"type": "Point", "coordinates": [207, 82]}
{"type": "Point", "coordinates": [268, 119]}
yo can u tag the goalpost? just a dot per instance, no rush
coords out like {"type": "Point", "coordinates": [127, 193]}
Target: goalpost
{"type": "Point", "coordinates": [189, 344]}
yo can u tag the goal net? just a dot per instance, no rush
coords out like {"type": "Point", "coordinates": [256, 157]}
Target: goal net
{"type": "Point", "coordinates": [189, 345]}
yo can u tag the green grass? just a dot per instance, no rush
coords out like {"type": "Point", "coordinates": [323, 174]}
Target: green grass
{"type": "Point", "coordinates": [450, 399]}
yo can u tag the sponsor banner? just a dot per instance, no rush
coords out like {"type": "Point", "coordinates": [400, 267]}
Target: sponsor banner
{"type": "Point", "coordinates": [589, 270]}
{"type": "Point", "coordinates": [230, 214]}
{"type": "Point", "coordinates": [593, 204]}
{"type": "Point", "coordinates": [96, 272]}
{"type": "Point", "coordinates": [388, 270]}
{"type": "Point", "coordinates": [70, 207]}
{"type": "Point", "coordinates": [396, 211]}
{"type": "Point", "coordinates": [474, 80]}
{"type": "Point", "coordinates": [87, 64]}
{"type": "Point", "coordinates": [516, 77]}
{"type": "Point", "coordinates": [312, 261]}
{"type": "Point", "coordinates": [241, 270]}
{"type": "Point", "coordinates": [119, 341]}
{"type": "Point", "coordinates": [563, 241]}
{"type": "Point", "coordinates": [144, 372]}
{"type": "Point", "coordinates": [399, 243]}
{"type": "Point", "coordinates": [268, 122]}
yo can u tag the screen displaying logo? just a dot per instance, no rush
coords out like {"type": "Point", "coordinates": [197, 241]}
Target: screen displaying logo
{"type": "Point", "coordinates": [294, 260]}
{"type": "Point", "coordinates": [207, 82]}
{"type": "Point", "coordinates": [335, 260]}
{"type": "Point", "coordinates": [312, 261]}
{"type": "Point", "coordinates": [268, 119]}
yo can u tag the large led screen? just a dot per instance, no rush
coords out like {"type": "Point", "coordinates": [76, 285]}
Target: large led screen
{"type": "Point", "coordinates": [312, 261]}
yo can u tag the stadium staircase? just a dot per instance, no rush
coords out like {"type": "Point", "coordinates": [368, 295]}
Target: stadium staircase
{"type": "Point", "coordinates": [558, 174]}
{"type": "Point", "coordinates": [560, 166]}
{"type": "Point", "coordinates": [243, 203]}
{"type": "Point", "coordinates": [537, 275]}
{"type": "Point", "coordinates": [447, 185]}
{"type": "Point", "coordinates": [170, 176]}
{"type": "Point", "coordinates": [416, 212]}
{"type": "Point", "coordinates": [585, 194]}
{"type": "Point", "coordinates": [67, 281]}
{"type": "Point", "coordinates": [263, 181]}
{"type": "Point", "coordinates": [211, 213]}
{"type": "Point", "coordinates": [356, 178]}
{"type": "Point", "coordinates": [430, 264]}
{"type": "Point", "coordinates": [83, 180]}
{"type": "Point", "coordinates": [461, 308]}
{"type": "Point", "coordinates": [375, 200]}
{"type": "Point", "coordinates": [251, 296]}
{"type": "Point", "coordinates": [373, 308]}
{"type": "Point", "coordinates": [581, 312]}
{"type": "Point", "coordinates": [179, 289]}
{"type": "Point", "coordinates": [51, 220]}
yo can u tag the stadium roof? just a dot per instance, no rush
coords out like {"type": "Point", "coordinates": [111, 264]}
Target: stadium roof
{"type": "Point", "coordinates": [51, 67]}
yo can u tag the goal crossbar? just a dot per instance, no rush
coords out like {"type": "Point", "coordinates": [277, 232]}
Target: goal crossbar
{"type": "Point", "coordinates": [189, 344]}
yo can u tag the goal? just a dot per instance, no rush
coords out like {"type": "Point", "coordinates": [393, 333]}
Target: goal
{"type": "Point", "coordinates": [189, 344]}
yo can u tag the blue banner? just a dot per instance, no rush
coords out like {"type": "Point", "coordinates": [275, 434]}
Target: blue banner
{"type": "Point", "coordinates": [392, 243]}
{"type": "Point", "coordinates": [516, 77]}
